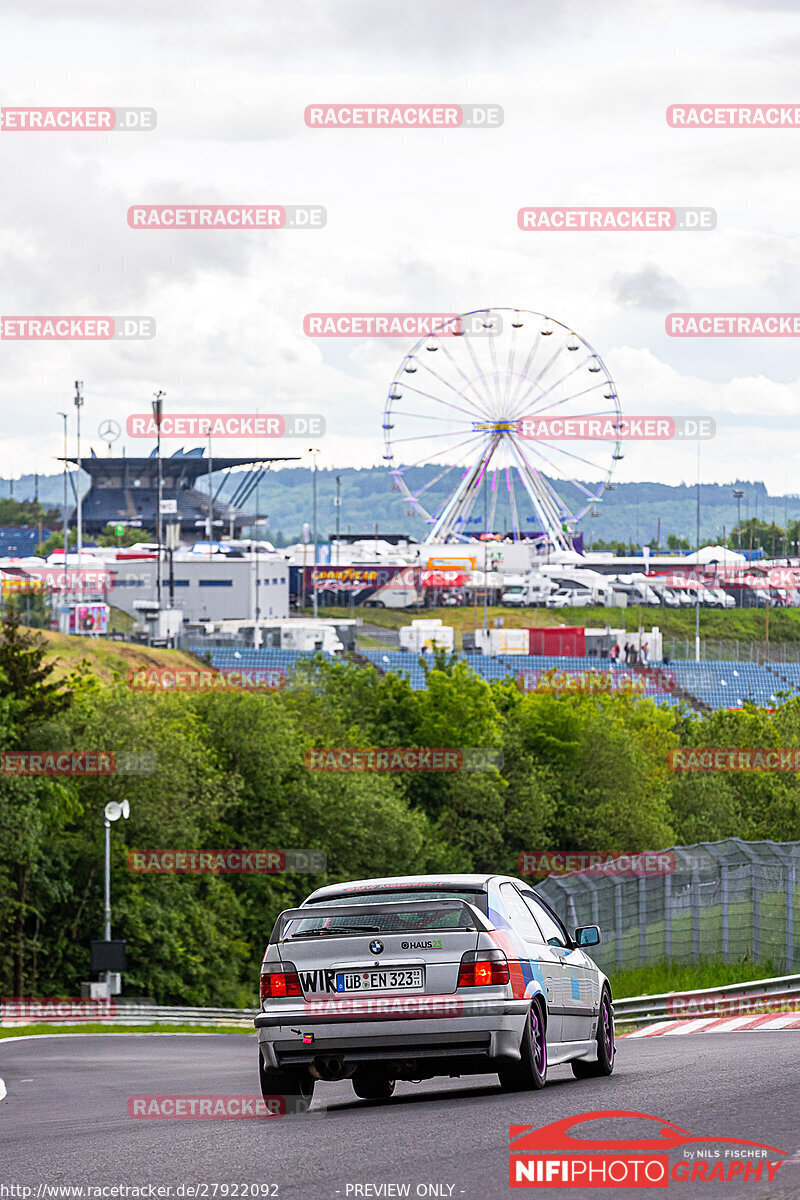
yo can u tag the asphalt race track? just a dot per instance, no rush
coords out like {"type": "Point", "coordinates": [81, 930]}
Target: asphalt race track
{"type": "Point", "coordinates": [64, 1119]}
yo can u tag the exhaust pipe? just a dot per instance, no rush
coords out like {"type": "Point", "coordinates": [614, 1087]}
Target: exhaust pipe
{"type": "Point", "coordinates": [330, 1069]}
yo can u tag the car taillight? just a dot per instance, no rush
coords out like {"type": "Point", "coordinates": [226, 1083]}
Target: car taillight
{"type": "Point", "coordinates": [483, 968]}
{"type": "Point", "coordinates": [279, 980]}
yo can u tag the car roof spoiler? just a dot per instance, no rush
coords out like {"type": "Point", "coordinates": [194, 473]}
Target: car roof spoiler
{"type": "Point", "coordinates": [378, 906]}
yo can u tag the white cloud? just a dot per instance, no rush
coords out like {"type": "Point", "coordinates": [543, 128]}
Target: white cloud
{"type": "Point", "coordinates": [417, 221]}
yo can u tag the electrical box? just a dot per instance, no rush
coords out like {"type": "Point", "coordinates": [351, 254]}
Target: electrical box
{"type": "Point", "coordinates": [108, 956]}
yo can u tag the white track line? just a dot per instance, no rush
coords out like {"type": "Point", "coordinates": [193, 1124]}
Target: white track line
{"type": "Point", "coordinates": [780, 1022]}
{"type": "Point", "coordinates": [3, 1092]}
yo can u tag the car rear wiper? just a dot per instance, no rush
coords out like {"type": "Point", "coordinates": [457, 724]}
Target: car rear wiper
{"type": "Point", "coordinates": [341, 929]}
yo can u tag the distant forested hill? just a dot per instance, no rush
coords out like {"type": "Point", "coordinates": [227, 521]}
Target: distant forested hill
{"type": "Point", "coordinates": [630, 512]}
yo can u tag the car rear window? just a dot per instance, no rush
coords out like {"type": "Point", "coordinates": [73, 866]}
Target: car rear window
{"type": "Point", "coordinates": [418, 918]}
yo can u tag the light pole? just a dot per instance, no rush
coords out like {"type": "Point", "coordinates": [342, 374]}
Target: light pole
{"type": "Point", "coordinates": [112, 812]}
{"type": "Point", "coordinates": [314, 450]}
{"type": "Point", "coordinates": [210, 497]}
{"type": "Point", "coordinates": [737, 495]}
{"type": "Point", "coordinates": [697, 598]}
{"type": "Point", "coordinates": [338, 503]}
{"type": "Point", "coordinates": [66, 516]}
{"type": "Point", "coordinates": [257, 622]}
{"type": "Point", "coordinates": [158, 407]}
{"type": "Point", "coordinates": [78, 407]}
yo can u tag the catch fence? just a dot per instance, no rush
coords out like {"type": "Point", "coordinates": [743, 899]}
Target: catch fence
{"type": "Point", "coordinates": [732, 901]}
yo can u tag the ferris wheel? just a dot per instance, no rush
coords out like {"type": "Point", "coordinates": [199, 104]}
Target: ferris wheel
{"type": "Point", "coordinates": [479, 403]}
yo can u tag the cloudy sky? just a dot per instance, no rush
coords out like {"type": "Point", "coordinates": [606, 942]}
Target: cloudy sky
{"type": "Point", "coordinates": [418, 220]}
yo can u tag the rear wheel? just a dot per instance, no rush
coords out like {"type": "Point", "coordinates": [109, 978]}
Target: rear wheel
{"type": "Point", "coordinates": [296, 1087]}
{"type": "Point", "coordinates": [605, 1044]}
{"type": "Point", "coordinates": [530, 1073]}
{"type": "Point", "coordinates": [370, 1086]}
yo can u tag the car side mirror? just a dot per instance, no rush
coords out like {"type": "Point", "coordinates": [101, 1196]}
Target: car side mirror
{"type": "Point", "coordinates": [588, 935]}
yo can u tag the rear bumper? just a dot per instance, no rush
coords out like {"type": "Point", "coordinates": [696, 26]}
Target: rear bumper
{"type": "Point", "coordinates": [466, 1033]}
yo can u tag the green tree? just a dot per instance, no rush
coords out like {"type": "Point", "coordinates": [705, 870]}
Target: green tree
{"type": "Point", "coordinates": [27, 512]}
{"type": "Point", "coordinates": [56, 542]}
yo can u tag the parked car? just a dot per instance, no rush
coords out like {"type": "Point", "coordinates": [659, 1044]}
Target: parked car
{"type": "Point", "coordinates": [569, 598]}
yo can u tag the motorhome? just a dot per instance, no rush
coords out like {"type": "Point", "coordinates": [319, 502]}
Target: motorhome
{"type": "Point", "coordinates": [523, 591]}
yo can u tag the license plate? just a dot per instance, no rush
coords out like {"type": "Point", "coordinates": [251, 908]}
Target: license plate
{"type": "Point", "coordinates": [380, 981]}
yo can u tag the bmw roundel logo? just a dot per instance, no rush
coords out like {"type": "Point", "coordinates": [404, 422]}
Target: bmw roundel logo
{"type": "Point", "coordinates": [376, 947]}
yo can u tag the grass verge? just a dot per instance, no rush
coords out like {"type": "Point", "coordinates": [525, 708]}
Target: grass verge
{"type": "Point", "coordinates": [662, 977]}
{"type": "Point", "coordinates": [734, 624]}
{"type": "Point", "coordinates": [110, 1027]}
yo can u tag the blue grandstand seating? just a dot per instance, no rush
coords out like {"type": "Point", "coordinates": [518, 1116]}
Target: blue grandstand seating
{"type": "Point", "coordinates": [714, 684]}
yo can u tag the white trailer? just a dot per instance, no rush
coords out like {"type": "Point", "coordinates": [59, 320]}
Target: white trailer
{"type": "Point", "coordinates": [423, 635]}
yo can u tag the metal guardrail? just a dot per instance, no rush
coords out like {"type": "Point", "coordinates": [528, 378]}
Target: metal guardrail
{"type": "Point", "coordinates": [145, 1014]}
{"type": "Point", "coordinates": [138, 1014]}
{"type": "Point", "coordinates": [730, 999]}
{"type": "Point", "coordinates": [736, 997]}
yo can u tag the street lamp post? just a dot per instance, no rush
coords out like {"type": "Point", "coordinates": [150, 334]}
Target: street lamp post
{"type": "Point", "coordinates": [112, 812]}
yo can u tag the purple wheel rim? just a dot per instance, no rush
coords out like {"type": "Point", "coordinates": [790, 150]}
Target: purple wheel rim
{"type": "Point", "coordinates": [539, 1044]}
{"type": "Point", "coordinates": [608, 1030]}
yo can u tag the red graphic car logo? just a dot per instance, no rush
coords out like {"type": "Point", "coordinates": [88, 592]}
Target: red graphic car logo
{"type": "Point", "coordinates": [556, 1136]}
